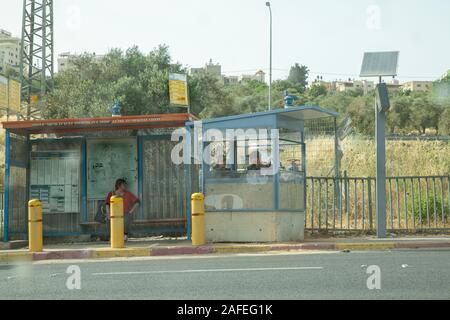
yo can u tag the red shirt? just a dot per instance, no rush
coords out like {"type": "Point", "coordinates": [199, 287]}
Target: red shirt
{"type": "Point", "coordinates": [129, 200]}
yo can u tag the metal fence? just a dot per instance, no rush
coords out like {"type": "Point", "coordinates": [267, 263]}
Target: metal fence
{"type": "Point", "coordinates": [349, 204]}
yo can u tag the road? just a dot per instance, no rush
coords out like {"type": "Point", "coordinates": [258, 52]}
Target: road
{"type": "Point", "coordinates": [404, 275]}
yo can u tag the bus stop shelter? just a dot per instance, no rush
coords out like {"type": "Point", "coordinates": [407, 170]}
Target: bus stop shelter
{"type": "Point", "coordinates": [71, 164]}
{"type": "Point", "coordinates": [252, 170]}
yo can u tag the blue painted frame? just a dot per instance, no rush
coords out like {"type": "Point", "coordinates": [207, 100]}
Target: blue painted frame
{"type": "Point", "coordinates": [140, 157]}
{"type": "Point", "coordinates": [188, 180]}
{"type": "Point", "coordinates": [84, 205]}
{"type": "Point", "coordinates": [276, 160]}
{"type": "Point", "coordinates": [28, 178]}
{"type": "Point", "coordinates": [6, 184]}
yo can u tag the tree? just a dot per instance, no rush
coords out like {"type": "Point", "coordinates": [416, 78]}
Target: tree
{"type": "Point", "coordinates": [317, 90]}
{"type": "Point", "coordinates": [399, 117]}
{"type": "Point", "coordinates": [362, 115]}
{"type": "Point", "coordinates": [444, 122]}
{"type": "Point", "coordinates": [209, 97]}
{"type": "Point", "coordinates": [298, 77]}
{"type": "Point", "coordinates": [139, 81]}
{"type": "Point", "coordinates": [337, 101]}
{"type": "Point", "coordinates": [425, 114]}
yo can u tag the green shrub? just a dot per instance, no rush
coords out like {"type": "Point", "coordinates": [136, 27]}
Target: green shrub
{"type": "Point", "coordinates": [420, 207]}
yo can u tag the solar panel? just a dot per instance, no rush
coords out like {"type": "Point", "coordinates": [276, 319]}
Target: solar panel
{"type": "Point", "coordinates": [376, 64]}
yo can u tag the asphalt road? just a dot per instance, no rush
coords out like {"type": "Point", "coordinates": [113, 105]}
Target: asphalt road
{"type": "Point", "coordinates": [404, 275]}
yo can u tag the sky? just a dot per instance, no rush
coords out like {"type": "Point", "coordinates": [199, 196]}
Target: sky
{"type": "Point", "coordinates": [328, 36]}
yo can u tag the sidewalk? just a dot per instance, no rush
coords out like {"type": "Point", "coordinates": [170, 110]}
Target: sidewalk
{"type": "Point", "coordinates": [173, 247]}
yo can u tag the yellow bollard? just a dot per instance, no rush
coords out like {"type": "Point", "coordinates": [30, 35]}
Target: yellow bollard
{"type": "Point", "coordinates": [35, 241]}
{"type": "Point", "coordinates": [198, 219]}
{"type": "Point", "coordinates": [117, 228]}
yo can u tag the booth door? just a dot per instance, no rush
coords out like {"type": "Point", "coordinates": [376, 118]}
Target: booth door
{"type": "Point", "coordinates": [109, 160]}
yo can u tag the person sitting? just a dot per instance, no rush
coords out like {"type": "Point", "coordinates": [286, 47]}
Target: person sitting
{"type": "Point", "coordinates": [130, 204]}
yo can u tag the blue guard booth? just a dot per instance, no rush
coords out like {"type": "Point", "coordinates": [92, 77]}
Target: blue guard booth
{"type": "Point", "coordinates": [252, 170]}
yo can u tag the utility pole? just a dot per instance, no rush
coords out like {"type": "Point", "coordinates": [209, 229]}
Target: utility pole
{"type": "Point", "coordinates": [270, 71]}
{"type": "Point", "coordinates": [37, 54]}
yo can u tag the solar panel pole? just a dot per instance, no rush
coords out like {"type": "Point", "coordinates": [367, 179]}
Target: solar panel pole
{"type": "Point", "coordinates": [379, 64]}
{"type": "Point", "coordinates": [381, 169]}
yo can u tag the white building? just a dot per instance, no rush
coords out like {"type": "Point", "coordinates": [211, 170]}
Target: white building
{"type": "Point", "coordinates": [259, 76]}
{"type": "Point", "coordinates": [364, 85]}
{"type": "Point", "coordinates": [231, 80]}
{"type": "Point", "coordinates": [65, 60]}
{"type": "Point", "coordinates": [213, 69]}
{"type": "Point", "coordinates": [9, 51]}
{"type": "Point", "coordinates": [418, 86]}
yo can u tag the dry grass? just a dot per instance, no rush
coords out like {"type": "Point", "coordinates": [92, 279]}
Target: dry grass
{"type": "Point", "coordinates": [404, 158]}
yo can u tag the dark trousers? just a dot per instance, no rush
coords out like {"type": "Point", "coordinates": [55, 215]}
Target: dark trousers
{"type": "Point", "coordinates": [127, 220]}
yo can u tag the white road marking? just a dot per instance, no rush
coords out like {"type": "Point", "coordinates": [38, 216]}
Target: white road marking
{"type": "Point", "coordinates": [204, 271]}
{"type": "Point", "coordinates": [183, 257]}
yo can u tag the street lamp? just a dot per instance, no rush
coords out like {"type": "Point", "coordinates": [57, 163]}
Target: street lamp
{"type": "Point", "coordinates": [270, 72]}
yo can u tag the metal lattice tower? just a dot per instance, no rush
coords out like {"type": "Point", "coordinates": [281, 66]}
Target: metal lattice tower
{"type": "Point", "coordinates": [37, 54]}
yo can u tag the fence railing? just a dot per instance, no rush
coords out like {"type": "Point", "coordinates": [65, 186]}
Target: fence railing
{"type": "Point", "coordinates": [349, 204]}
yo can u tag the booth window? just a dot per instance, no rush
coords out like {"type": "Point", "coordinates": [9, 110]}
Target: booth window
{"type": "Point", "coordinates": [238, 175]}
{"type": "Point", "coordinates": [292, 174]}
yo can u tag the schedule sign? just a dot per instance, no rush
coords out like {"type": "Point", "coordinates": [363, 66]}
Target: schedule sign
{"type": "Point", "coordinates": [178, 88]}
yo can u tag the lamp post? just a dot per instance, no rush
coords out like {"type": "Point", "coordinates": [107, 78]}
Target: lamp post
{"type": "Point", "coordinates": [270, 72]}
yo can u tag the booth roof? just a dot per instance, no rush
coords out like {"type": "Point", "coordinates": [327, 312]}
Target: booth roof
{"type": "Point", "coordinates": [154, 121]}
{"type": "Point", "coordinates": [297, 113]}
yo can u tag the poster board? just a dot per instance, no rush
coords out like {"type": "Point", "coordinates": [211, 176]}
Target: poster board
{"type": "Point", "coordinates": [55, 180]}
{"type": "Point", "coordinates": [109, 160]}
